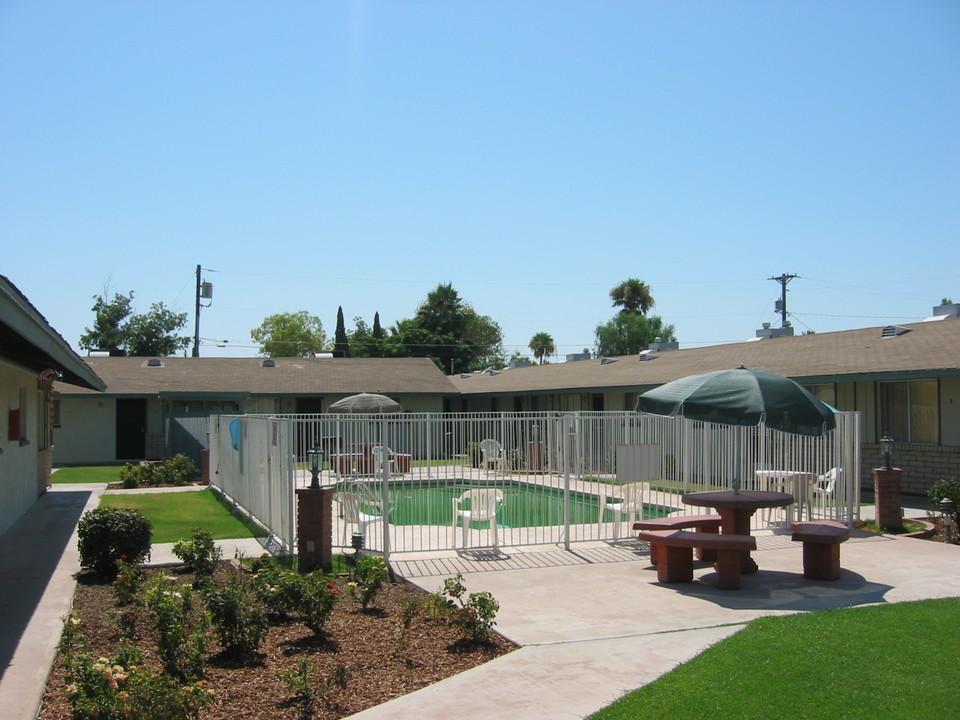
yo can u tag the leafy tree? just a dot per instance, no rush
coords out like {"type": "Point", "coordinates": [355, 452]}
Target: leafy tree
{"type": "Point", "coordinates": [109, 330]}
{"type": "Point", "coordinates": [153, 332]}
{"type": "Point", "coordinates": [542, 344]}
{"type": "Point", "coordinates": [629, 333]}
{"type": "Point", "coordinates": [378, 332]}
{"type": "Point", "coordinates": [632, 296]}
{"type": "Point", "coordinates": [290, 335]}
{"type": "Point", "coordinates": [448, 330]}
{"type": "Point", "coordinates": [364, 342]}
{"type": "Point", "coordinates": [120, 333]}
{"type": "Point", "coordinates": [341, 343]}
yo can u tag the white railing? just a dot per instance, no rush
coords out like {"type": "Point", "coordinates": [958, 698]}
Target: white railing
{"type": "Point", "coordinates": [555, 475]}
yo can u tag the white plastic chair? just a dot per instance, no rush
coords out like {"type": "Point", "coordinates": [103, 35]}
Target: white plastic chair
{"type": "Point", "coordinates": [491, 453]}
{"type": "Point", "coordinates": [484, 504]}
{"type": "Point", "coordinates": [823, 490]}
{"type": "Point", "coordinates": [352, 504]}
{"type": "Point", "coordinates": [378, 454]}
{"type": "Point", "coordinates": [629, 507]}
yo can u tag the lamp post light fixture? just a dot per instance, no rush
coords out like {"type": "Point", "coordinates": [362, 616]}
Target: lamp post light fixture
{"type": "Point", "coordinates": [886, 447]}
{"type": "Point", "coordinates": [315, 455]}
{"type": "Point", "coordinates": [948, 509]}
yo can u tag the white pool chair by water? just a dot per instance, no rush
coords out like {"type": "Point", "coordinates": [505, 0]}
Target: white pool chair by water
{"type": "Point", "coordinates": [626, 504]}
{"type": "Point", "coordinates": [379, 452]}
{"type": "Point", "coordinates": [484, 504]}
{"type": "Point", "coordinates": [356, 511]}
{"type": "Point", "coordinates": [824, 489]}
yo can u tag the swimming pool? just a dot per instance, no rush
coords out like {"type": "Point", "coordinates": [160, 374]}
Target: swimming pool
{"type": "Point", "coordinates": [524, 504]}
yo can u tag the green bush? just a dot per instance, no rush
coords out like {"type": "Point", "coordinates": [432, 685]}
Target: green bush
{"type": "Point", "coordinates": [945, 489]}
{"type": "Point", "coordinates": [319, 599]}
{"type": "Point", "coordinates": [181, 632]}
{"type": "Point", "coordinates": [201, 554]}
{"type": "Point", "coordinates": [178, 470]}
{"type": "Point", "coordinates": [368, 577]}
{"type": "Point", "coordinates": [474, 616]}
{"type": "Point", "coordinates": [238, 619]}
{"type": "Point", "coordinates": [281, 591]}
{"type": "Point", "coordinates": [133, 475]}
{"type": "Point", "coordinates": [107, 534]}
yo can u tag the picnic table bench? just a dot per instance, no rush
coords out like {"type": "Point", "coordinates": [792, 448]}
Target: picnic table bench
{"type": "Point", "coordinates": [674, 550]}
{"type": "Point", "coordinates": [705, 523]}
{"type": "Point", "coordinates": [821, 547]}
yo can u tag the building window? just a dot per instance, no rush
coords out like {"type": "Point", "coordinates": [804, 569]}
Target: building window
{"type": "Point", "coordinates": [908, 411]}
{"type": "Point", "coordinates": [824, 392]}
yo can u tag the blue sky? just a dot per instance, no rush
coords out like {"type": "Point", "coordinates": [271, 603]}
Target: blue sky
{"type": "Point", "coordinates": [310, 155]}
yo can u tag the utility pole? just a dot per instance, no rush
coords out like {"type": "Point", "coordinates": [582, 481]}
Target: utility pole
{"type": "Point", "coordinates": [205, 291]}
{"type": "Point", "coordinates": [781, 306]}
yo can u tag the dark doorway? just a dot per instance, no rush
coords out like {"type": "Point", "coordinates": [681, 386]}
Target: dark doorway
{"type": "Point", "coordinates": [131, 429]}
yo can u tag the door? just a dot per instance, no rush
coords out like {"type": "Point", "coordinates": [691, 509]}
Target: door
{"type": "Point", "coordinates": [131, 429]}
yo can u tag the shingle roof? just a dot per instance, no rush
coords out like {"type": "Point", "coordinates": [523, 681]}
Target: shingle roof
{"type": "Point", "coordinates": [27, 339]}
{"type": "Point", "coordinates": [248, 376]}
{"type": "Point", "coordinates": [926, 350]}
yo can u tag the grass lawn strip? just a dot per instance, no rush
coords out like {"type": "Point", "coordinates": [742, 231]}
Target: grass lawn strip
{"type": "Point", "coordinates": [174, 515]}
{"type": "Point", "coordinates": [880, 662]}
{"type": "Point", "coordinates": [87, 474]}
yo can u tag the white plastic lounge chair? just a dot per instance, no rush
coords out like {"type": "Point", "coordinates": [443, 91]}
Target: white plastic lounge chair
{"type": "Point", "coordinates": [354, 507]}
{"type": "Point", "coordinates": [491, 454]}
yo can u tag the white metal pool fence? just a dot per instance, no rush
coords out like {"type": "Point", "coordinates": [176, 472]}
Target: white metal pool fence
{"type": "Point", "coordinates": [550, 477]}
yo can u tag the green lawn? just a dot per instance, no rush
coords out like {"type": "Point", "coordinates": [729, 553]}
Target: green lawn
{"type": "Point", "coordinates": [884, 662]}
{"type": "Point", "coordinates": [175, 514]}
{"type": "Point", "coordinates": [89, 474]}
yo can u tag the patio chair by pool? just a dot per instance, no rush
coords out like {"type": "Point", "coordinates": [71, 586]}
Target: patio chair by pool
{"type": "Point", "coordinates": [491, 453]}
{"type": "Point", "coordinates": [378, 452]}
{"type": "Point", "coordinates": [483, 505]}
{"type": "Point", "coordinates": [627, 505]}
{"type": "Point", "coordinates": [356, 511]}
{"type": "Point", "coordinates": [824, 488]}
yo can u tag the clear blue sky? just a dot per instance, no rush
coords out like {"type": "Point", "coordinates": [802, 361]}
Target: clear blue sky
{"type": "Point", "coordinates": [534, 153]}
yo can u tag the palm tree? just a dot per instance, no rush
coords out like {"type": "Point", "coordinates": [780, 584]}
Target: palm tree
{"type": "Point", "coordinates": [542, 344]}
{"type": "Point", "coordinates": [632, 296]}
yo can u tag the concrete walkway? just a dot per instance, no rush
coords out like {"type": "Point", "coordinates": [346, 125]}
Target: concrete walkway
{"type": "Point", "coordinates": [593, 622]}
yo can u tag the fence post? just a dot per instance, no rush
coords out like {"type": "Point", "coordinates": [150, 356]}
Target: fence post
{"type": "Point", "coordinates": [315, 528]}
{"type": "Point", "coordinates": [886, 485]}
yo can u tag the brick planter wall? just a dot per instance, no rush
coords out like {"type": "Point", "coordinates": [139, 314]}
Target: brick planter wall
{"type": "Point", "coordinates": [886, 484]}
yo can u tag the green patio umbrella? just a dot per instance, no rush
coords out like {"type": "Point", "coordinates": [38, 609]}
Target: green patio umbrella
{"type": "Point", "coordinates": [742, 397]}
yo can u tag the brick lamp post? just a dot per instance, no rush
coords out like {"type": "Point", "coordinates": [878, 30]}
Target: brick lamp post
{"type": "Point", "coordinates": [886, 488]}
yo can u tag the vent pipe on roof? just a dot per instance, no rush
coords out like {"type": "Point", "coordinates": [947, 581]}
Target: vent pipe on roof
{"type": "Point", "coordinates": [268, 362]}
{"type": "Point", "coordinates": [154, 362]}
{"type": "Point", "coordinates": [893, 331]}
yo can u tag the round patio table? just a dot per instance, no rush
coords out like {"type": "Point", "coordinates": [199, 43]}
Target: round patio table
{"type": "Point", "coordinates": [736, 509]}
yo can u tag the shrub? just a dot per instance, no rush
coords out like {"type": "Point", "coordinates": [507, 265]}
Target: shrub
{"type": "Point", "coordinates": [474, 616]}
{"type": "Point", "coordinates": [106, 535]}
{"type": "Point", "coordinates": [945, 489]}
{"type": "Point", "coordinates": [201, 554]}
{"type": "Point", "coordinates": [181, 634]}
{"type": "Point", "coordinates": [368, 577]}
{"type": "Point", "coordinates": [238, 619]}
{"type": "Point", "coordinates": [319, 599]}
{"type": "Point", "coordinates": [128, 582]}
{"type": "Point", "coordinates": [133, 476]}
{"type": "Point", "coordinates": [178, 470]}
{"type": "Point", "coordinates": [280, 591]}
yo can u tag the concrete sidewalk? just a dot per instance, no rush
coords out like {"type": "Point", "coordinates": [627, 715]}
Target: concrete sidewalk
{"type": "Point", "coordinates": [593, 622]}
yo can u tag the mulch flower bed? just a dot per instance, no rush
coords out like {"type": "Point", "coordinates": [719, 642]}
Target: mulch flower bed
{"type": "Point", "coordinates": [384, 660]}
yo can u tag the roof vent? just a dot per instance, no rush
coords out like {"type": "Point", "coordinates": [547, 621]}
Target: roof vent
{"type": "Point", "coordinates": [154, 362]}
{"type": "Point", "coordinates": [647, 355]}
{"type": "Point", "coordinates": [893, 331]}
{"type": "Point", "coordinates": [465, 376]}
{"type": "Point", "coordinates": [607, 360]}
{"type": "Point", "coordinates": [268, 362]}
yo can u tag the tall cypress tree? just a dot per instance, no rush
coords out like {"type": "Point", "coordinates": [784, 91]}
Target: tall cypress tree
{"type": "Point", "coordinates": [341, 343]}
{"type": "Point", "coordinates": [378, 332]}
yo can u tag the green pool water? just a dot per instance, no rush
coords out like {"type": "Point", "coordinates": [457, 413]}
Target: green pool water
{"type": "Point", "coordinates": [523, 505]}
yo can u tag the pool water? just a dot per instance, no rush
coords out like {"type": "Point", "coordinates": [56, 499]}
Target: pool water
{"type": "Point", "coordinates": [523, 505]}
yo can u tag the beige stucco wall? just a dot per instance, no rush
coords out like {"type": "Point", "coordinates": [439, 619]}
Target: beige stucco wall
{"type": "Point", "coordinates": [87, 432]}
{"type": "Point", "coordinates": [19, 464]}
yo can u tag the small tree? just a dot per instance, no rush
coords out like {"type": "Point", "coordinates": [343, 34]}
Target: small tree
{"type": "Point", "coordinates": [154, 333]}
{"type": "Point", "coordinates": [341, 343]}
{"type": "Point", "coordinates": [290, 335]}
{"type": "Point", "coordinates": [109, 328]}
